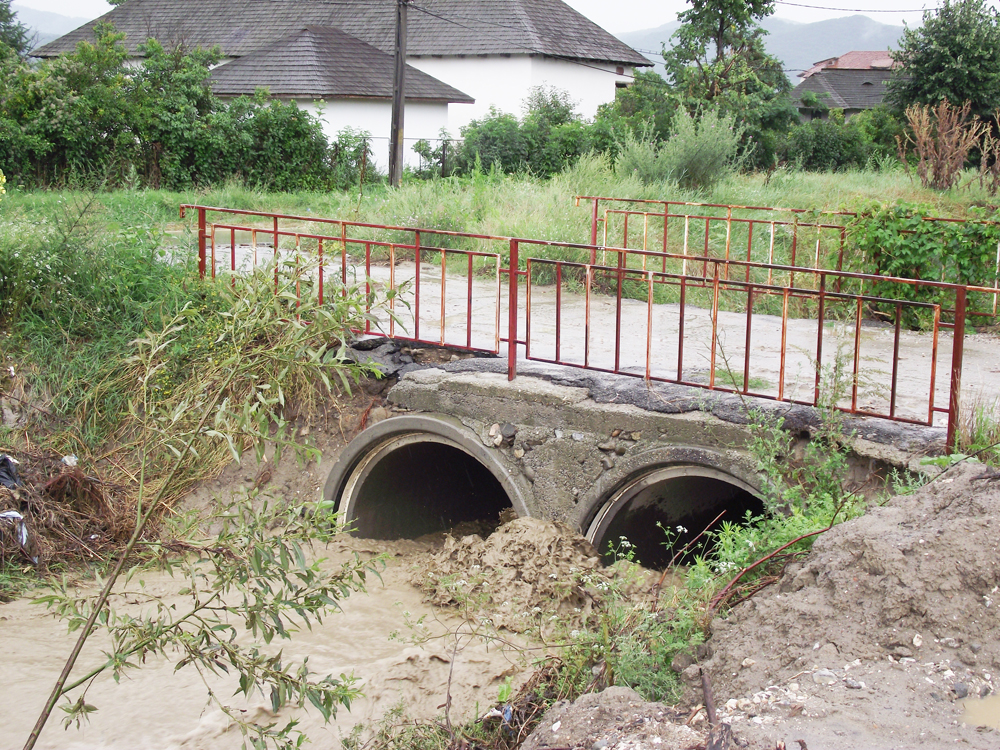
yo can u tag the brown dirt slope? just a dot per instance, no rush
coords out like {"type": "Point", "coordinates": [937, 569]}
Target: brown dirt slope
{"type": "Point", "coordinates": [878, 635]}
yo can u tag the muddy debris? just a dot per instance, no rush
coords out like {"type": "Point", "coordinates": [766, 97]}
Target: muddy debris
{"type": "Point", "coordinates": [526, 571]}
{"type": "Point", "coordinates": [66, 513]}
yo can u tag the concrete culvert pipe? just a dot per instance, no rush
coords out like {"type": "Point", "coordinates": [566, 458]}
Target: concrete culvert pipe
{"type": "Point", "coordinates": [417, 474]}
{"type": "Point", "coordinates": [683, 498]}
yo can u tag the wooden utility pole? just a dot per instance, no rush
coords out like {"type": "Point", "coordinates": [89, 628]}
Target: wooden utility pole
{"type": "Point", "coordinates": [398, 97]}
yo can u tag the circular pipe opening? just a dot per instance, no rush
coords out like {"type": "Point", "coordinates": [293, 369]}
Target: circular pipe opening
{"type": "Point", "coordinates": [417, 484]}
{"type": "Point", "coordinates": [661, 511]}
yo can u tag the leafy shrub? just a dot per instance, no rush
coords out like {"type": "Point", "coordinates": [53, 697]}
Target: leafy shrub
{"type": "Point", "coordinates": [879, 129]}
{"type": "Point", "coordinates": [827, 145]}
{"type": "Point", "coordinates": [698, 154]}
{"type": "Point", "coordinates": [88, 118]}
{"type": "Point", "coordinates": [496, 139]}
{"type": "Point", "coordinates": [639, 156]}
{"type": "Point", "coordinates": [548, 139]}
{"type": "Point", "coordinates": [898, 241]}
{"type": "Point", "coordinates": [351, 158]}
{"type": "Point", "coordinates": [701, 152]}
{"type": "Point", "coordinates": [645, 108]}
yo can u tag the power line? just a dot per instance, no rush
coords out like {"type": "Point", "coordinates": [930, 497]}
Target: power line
{"type": "Point", "coordinates": [851, 10]}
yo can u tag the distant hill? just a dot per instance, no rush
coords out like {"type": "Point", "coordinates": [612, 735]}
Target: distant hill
{"type": "Point", "coordinates": [797, 45]}
{"type": "Point", "coordinates": [46, 26]}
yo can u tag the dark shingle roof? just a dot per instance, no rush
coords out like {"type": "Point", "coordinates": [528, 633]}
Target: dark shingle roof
{"type": "Point", "coordinates": [435, 27]}
{"type": "Point", "coordinates": [320, 62]}
{"type": "Point", "coordinates": [847, 89]}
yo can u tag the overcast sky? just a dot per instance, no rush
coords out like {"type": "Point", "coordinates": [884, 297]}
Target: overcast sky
{"type": "Point", "coordinates": [627, 15]}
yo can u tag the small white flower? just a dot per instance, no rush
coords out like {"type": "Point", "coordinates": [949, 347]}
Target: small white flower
{"type": "Point", "coordinates": [681, 530]}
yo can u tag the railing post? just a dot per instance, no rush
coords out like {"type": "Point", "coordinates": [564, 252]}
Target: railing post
{"type": "Point", "coordinates": [957, 352]}
{"type": "Point", "coordinates": [202, 236]}
{"type": "Point", "coordinates": [593, 223]}
{"type": "Point", "coordinates": [513, 265]}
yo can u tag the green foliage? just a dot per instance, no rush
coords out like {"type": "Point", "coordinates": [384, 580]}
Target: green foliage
{"type": "Point", "coordinates": [868, 138]}
{"type": "Point", "coordinates": [89, 118]}
{"type": "Point", "coordinates": [827, 145]}
{"type": "Point", "coordinates": [644, 108]}
{"type": "Point", "coordinates": [351, 157]}
{"type": "Point", "coordinates": [953, 55]}
{"type": "Point", "coordinates": [274, 348]}
{"type": "Point", "coordinates": [880, 129]}
{"type": "Point", "coordinates": [979, 429]}
{"type": "Point", "coordinates": [14, 35]}
{"type": "Point", "coordinates": [494, 140]}
{"type": "Point", "coordinates": [898, 241]}
{"type": "Point", "coordinates": [698, 154]}
{"type": "Point", "coordinates": [549, 138]}
{"type": "Point", "coordinates": [77, 291]}
{"type": "Point", "coordinates": [718, 59]}
{"type": "Point", "coordinates": [702, 151]}
{"type": "Point", "coordinates": [640, 157]}
{"type": "Point", "coordinates": [435, 162]}
{"type": "Point", "coordinates": [630, 641]}
{"type": "Point", "coordinates": [246, 578]}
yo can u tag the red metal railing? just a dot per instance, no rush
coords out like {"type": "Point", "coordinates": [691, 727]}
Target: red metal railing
{"type": "Point", "coordinates": [662, 316]}
{"type": "Point", "coordinates": [803, 242]}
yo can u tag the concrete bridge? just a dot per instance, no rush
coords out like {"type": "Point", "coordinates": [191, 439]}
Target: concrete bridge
{"type": "Point", "coordinates": [608, 386]}
{"type": "Point", "coordinates": [606, 454]}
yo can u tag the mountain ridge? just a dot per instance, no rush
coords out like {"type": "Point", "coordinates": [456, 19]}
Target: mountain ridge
{"type": "Point", "coordinates": [797, 45]}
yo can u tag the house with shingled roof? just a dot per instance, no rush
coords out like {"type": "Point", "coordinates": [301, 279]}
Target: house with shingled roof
{"type": "Point", "coordinates": [853, 82]}
{"type": "Point", "coordinates": [335, 57]}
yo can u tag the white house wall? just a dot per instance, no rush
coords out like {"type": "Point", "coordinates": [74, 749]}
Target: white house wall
{"type": "Point", "coordinates": [420, 121]}
{"type": "Point", "coordinates": [589, 85]}
{"type": "Point", "coordinates": [504, 82]}
{"type": "Point", "coordinates": [497, 81]}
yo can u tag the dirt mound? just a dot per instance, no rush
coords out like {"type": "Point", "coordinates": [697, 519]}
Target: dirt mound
{"type": "Point", "coordinates": [615, 719]}
{"type": "Point", "coordinates": [902, 601]}
{"type": "Point", "coordinates": [526, 570]}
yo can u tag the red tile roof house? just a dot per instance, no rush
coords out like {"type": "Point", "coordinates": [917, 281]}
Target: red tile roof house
{"type": "Point", "coordinates": [852, 82]}
{"type": "Point", "coordinates": [334, 57]}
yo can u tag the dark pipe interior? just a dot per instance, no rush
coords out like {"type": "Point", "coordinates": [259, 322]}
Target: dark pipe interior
{"type": "Point", "coordinates": [690, 502]}
{"type": "Point", "coordinates": [422, 488]}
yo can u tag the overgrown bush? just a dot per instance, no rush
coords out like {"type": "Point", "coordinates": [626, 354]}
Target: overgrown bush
{"type": "Point", "coordinates": [639, 156]}
{"type": "Point", "coordinates": [942, 137]}
{"type": "Point", "coordinates": [549, 138]}
{"type": "Point", "coordinates": [827, 145]}
{"type": "Point", "coordinates": [699, 153]}
{"type": "Point", "coordinates": [880, 130]}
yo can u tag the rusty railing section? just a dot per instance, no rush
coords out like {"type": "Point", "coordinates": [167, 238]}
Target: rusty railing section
{"type": "Point", "coordinates": [662, 312]}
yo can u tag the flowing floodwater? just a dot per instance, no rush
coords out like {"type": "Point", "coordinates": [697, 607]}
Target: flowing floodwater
{"type": "Point", "coordinates": [155, 706]}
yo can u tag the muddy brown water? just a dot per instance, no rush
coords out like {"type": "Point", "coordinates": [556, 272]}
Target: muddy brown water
{"type": "Point", "coordinates": [982, 712]}
{"type": "Point", "coordinates": [157, 707]}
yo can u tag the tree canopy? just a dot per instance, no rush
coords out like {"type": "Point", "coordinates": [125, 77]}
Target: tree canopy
{"type": "Point", "coordinates": [953, 55]}
{"type": "Point", "coordinates": [13, 33]}
{"type": "Point", "coordinates": [718, 59]}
